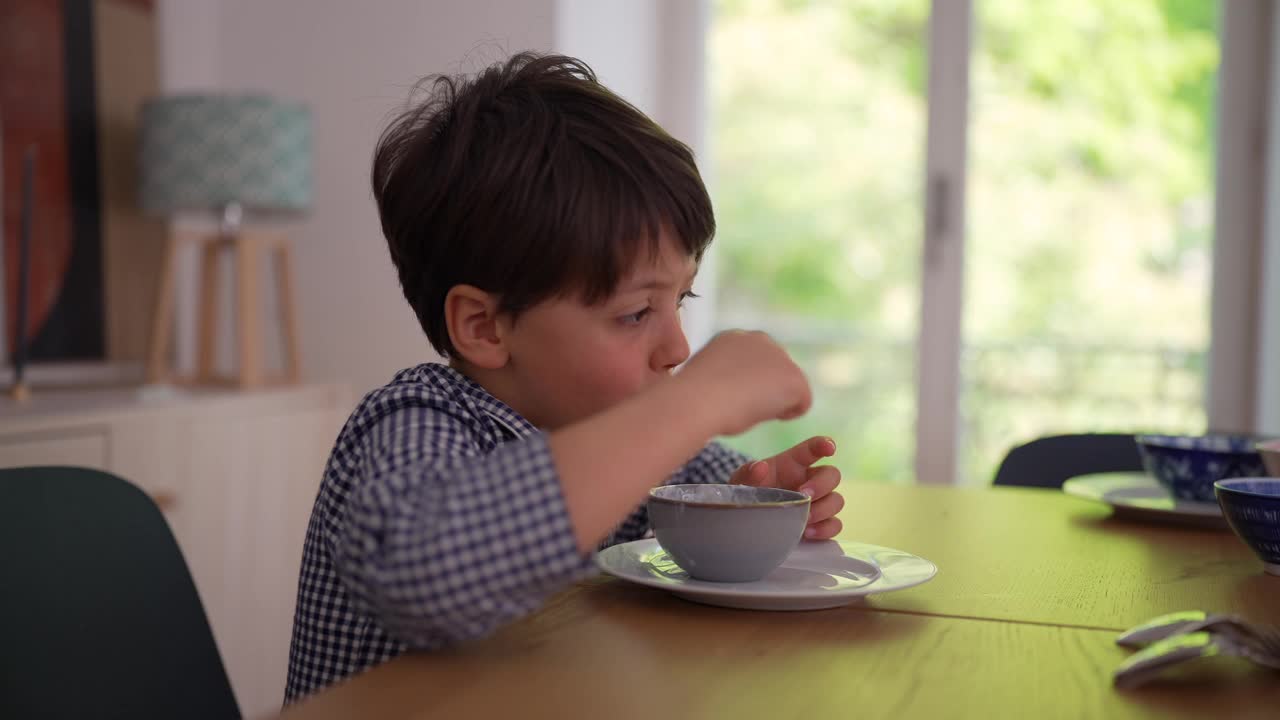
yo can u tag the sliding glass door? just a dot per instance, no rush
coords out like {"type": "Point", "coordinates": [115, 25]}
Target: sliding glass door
{"type": "Point", "coordinates": [972, 223]}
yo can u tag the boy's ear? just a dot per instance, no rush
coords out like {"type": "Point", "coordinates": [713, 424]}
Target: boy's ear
{"type": "Point", "coordinates": [471, 315]}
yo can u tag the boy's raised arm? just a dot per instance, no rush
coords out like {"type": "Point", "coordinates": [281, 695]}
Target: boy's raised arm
{"type": "Point", "coordinates": [608, 462]}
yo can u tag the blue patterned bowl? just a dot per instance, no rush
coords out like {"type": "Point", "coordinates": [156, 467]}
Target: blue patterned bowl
{"type": "Point", "coordinates": [1252, 508]}
{"type": "Point", "coordinates": [1189, 465]}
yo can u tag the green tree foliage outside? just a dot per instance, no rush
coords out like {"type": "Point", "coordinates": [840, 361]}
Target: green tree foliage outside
{"type": "Point", "coordinates": [1089, 225]}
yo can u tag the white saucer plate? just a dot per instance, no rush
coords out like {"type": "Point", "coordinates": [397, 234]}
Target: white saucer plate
{"type": "Point", "coordinates": [816, 575]}
{"type": "Point", "coordinates": [1139, 497]}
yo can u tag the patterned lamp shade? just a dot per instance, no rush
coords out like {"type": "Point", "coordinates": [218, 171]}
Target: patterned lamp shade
{"type": "Point", "coordinates": [205, 152]}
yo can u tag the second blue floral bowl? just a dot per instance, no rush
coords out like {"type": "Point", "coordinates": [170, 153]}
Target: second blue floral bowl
{"type": "Point", "coordinates": [1189, 465]}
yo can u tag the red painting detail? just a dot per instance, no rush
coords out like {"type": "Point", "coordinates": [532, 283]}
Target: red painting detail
{"type": "Point", "coordinates": [33, 112]}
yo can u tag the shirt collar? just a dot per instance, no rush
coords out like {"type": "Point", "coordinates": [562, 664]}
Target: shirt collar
{"type": "Point", "coordinates": [503, 415]}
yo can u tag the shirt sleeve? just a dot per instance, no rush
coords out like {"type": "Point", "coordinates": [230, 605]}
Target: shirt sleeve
{"type": "Point", "coordinates": [445, 544]}
{"type": "Point", "coordinates": [715, 463]}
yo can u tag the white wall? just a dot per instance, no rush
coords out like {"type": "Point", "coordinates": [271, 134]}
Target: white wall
{"type": "Point", "coordinates": [1268, 362]}
{"type": "Point", "coordinates": [353, 64]}
{"type": "Point", "coordinates": [188, 57]}
{"type": "Point", "coordinates": [619, 40]}
{"type": "Point", "coordinates": [652, 52]}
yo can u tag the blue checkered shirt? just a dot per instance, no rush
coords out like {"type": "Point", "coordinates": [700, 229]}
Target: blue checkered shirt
{"type": "Point", "coordinates": [439, 518]}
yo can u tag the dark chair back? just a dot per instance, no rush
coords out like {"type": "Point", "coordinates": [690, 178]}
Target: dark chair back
{"type": "Point", "coordinates": [1050, 461]}
{"type": "Point", "coordinates": [99, 617]}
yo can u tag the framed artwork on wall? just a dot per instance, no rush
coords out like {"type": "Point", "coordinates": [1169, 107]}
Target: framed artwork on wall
{"type": "Point", "coordinates": [72, 75]}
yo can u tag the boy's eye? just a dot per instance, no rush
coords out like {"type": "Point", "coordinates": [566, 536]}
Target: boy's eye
{"type": "Point", "coordinates": [634, 318]}
{"type": "Point", "coordinates": [686, 295]}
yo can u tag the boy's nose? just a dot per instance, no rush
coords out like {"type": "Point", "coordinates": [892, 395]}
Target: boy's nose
{"type": "Point", "coordinates": [673, 349]}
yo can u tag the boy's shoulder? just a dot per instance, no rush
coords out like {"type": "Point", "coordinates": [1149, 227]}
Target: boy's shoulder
{"type": "Point", "coordinates": [430, 384]}
{"type": "Point", "coordinates": [437, 391]}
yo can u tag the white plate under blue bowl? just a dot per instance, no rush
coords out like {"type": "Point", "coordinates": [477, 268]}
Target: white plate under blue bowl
{"type": "Point", "coordinates": [817, 575]}
{"type": "Point", "coordinates": [1138, 496]}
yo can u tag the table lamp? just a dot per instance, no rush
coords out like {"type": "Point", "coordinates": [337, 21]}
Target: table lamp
{"type": "Point", "coordinates": [226, 155]}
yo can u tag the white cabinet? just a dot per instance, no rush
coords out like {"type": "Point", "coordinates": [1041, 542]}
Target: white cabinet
{"type": "Point", "coordinates": [236, 474]}
{"type": "Point", "coordinates": [86, 448]}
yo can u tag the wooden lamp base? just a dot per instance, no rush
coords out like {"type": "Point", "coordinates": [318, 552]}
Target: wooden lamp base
{"type": "Point", "coordinates": [247, 248]}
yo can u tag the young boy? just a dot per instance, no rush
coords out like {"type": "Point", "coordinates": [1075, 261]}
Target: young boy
{"type": "Point", "coordinates": [545, 233]}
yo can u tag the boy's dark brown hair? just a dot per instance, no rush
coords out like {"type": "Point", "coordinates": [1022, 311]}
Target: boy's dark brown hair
{"type": "Point", "coordinates": [530, 180]}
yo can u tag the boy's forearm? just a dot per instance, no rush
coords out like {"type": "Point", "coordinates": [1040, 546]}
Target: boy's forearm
{"type": "Point", "coordinates": [608, 462]}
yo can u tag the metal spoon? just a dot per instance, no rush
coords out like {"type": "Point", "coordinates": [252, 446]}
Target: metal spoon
{"type": "Point", "coordinates": [1147, 664]}
{"type": "Point", "coordinates": [1179, 623]}
{"type": "Point", "coordinates": [1150, 662]}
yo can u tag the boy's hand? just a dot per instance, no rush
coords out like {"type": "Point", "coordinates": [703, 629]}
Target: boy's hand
{"type": "Point", "coordinates": [793, 470]}
{"type": "Point", "coordinates": [742, 378]}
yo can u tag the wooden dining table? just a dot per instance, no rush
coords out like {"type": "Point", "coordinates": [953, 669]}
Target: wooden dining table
{"type": "Point", "coordinates": [1032, 587]}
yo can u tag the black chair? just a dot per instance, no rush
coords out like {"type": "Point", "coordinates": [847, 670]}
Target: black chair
{"type": "Point", "coordinates": [99, 617]}
{"type": "Point", "coordinates": [1050, 461]}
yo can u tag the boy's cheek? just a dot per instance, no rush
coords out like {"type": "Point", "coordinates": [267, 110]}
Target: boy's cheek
{"type": "Point", "coordinates": [618, 378]}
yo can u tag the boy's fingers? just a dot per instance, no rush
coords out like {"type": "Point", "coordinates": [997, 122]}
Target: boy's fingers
{"type": "Point", "coordinates": [824, 508]}
{"type": "Point", "coordinates": [761, 473]}
{"type": "Point", "coordinates": [824, 530]}
{"type": "Point", "coordinates": [812, 450]}
{"type": "Point", "coordinates": [820, 481]}
{"type": "Point", "coordinates": [753, 473]}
